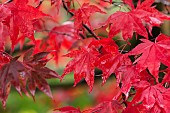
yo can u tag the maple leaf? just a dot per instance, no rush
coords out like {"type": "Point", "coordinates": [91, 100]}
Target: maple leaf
{"type": "Point", "coordinates": [69, 109]}
{"type": "Point", "coordinates": [152, 54]}
{"type": "Point", "coordinates": [31, 72]}
{"type": "Point", "coordinates": [110, 59]}
{"type": "Point", "coordinates": [109, 63]}
{"type": "Point", "coordinates": [135, 20]}
{"type": "Point", "coordinates": [112, 106]}
{"type": "Point", "coordinates": [152, 97]}
{"type": "Point", "coordinates": [149, 15]}
{"type": "Point", "coordinates": [83, 65]}
{"type": "Point", "coordinates": [82, 15]}
{"type": "Point", "coordinates": [145, 76]}
{"type": "Point", "coordinates": [21, 20]}
{"type": "Point", "coordinates": [4, 58]}
{"type": "Point", "coordinates": [131, 109]}
{"type": "Point", "coordinates": [10, 75]}
{"type": "Point", "coordinates": [62, 35]}
{"type": "Point", "coordinates": [166, 98]}
{"type": "Point", "coordinates": [127, 76]}
{"type": "Point", "coordinates": [4, 13]}
{"type": "Point", "coordinates": [129, 23]}
{"type": "Point", "coordinates": [57, 4]}
{"type": "Point", "coordinates": [106, 45]}
{"type": "Point", "coordinates": [37, 73]}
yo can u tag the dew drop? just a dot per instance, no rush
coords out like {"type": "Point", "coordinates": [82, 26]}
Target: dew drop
{"type": "Point", "coordinates": [22, 74]}
{"type": "Point", "coordinates": [103, 62]}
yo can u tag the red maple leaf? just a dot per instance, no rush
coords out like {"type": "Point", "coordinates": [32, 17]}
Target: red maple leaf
{"type": "Point", "coordinates": [10, 75]}
{"type": "Point", "coordinates": [36, 73]}
{"type": "Point", "coordinates": [57, 4]}
{"type": "Point", "coordinates": [132, 109]}
{"type": "Point", "coordinates": [127, 75]}
{"type": "Point", "coordinates": [110, 59]}
{"type": "Point", "coordinates": [112, 106]}
{"type": "Point", "coordinates": [21, 20]}
{"type": "Point", "coordinates": [32, 73]}
{"type": "Point", "coordinates": [135, 20]}
{"type": "Point", "coordinates": [68, 109]}
{"type": "Point", "coordinates": [149, 15]}
{"type": "Point", "coordinates": [153, 98]}
{"type": "Point", "coordinates": [4, 13]}
{"type": "Point", "coordinates": [105, 45]}
{"type": "Point", "coordinates": [145, 76]}
{"type": "Point", "coordinates": [129, 23]}
{"type": "Point", "coordinates": [109, 63]}
{"type": "Point", "coordinates": [83, 65]}
{"type": "Point", "coordinates": [152, 54]}
{"type": "Point", "coordinates": [62, 35]}
{"type": "Point", "coordinates": [82, 15]}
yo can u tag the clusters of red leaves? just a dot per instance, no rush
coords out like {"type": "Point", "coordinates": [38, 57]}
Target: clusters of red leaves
{"type": "Point", "coordinates": [142, 89]}
{"type": "Point", "coordinates": [17, 22]}
{"type": "Point", "coordinates": [138, 79]}
{"type": "Point", "coordinates": [28, 74]}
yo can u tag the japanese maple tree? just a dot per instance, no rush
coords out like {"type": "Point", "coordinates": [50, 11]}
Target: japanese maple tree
{"type": "Point", "coordinates": [142, 71]}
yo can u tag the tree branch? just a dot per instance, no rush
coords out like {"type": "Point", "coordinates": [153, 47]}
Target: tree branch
{"type": "Point", "coordinates": [166, 7]}
{"type": "Point", "coordinates": [60, 33]}
{"type": "Point", "coordinates": [8, 1]}
{"type": "Point", "coordinates": [84, 25]}
{"type": "Point", "coordinates": [41, 1]}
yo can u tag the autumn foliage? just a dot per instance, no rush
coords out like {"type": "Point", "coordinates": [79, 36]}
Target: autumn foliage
{"type": "Point", "coordinates": [142, 71]}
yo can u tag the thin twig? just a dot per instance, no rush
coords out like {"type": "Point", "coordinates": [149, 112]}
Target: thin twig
{"type": "Point", "coordinates": [166, 7]}
{"type": "Point", "coordinates": [8, 1]}
{"type": "Point", "coordinates": [41, 1]}
{"type": "Point", "coordinates": [114, 3]}
{"type": "Point", "coordinates": [60, 33]}
{"type": "Point", "coordinates": [84, 25]}
{"type": "Point", "coordinates": [5, 54]}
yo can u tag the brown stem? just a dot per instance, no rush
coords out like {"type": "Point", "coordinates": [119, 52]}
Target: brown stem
{"type": "Point", "coordinates": [6, 54]}
{"type": "Point", "coordinates": [84, 25]}
{"type": "Point", "coordinates": [41, 1]}
{"type": "Point", "coordinates": [81, 35]}
{"type": "Point", "coordinates": [8, 1]}
{"type": "Point", "coordinates": [113, 2]}
{"type": "Point", "coordinates": [166, 7]}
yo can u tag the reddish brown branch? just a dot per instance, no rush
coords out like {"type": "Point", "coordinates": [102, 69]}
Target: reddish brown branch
{"type": "Point", "coordinates": [8, 1]}
{"type": "Point", "coordinates": [84, 25]}
{"type": "Point", "coordinates": [41, 1]}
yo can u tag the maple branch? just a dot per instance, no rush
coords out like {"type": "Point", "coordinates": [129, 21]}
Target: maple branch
{"type": "Point", "coordinates": [66, 8]}
{"type": "Point", "coordinates": [81, 35]}
{"type": "Point", "coordinates": [166, 7]}
{"type": "Point", "coordinates": [84, 25]}
{"type": "Point", "coordinates": [114, 3]}
{"type": "Point", "coordinates": [90, 31]}
{"type": "Point", "coordinates": [6, 54]}
{"type": "Point", "coordinates": [8, 1]}
{"type": "Point", "coordinates": [165, 2]}
{"type": "Point", "coordinates": [41, 1]}
{"type": "Point", "coordinates": [57, 32]}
